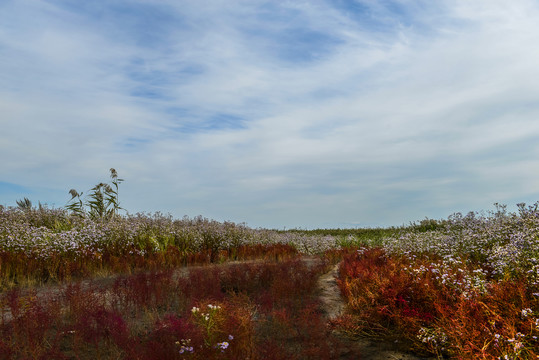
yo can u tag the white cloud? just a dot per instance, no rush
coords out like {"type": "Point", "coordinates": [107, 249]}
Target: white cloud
{"type": "Point", "coordinates": [348, 114]}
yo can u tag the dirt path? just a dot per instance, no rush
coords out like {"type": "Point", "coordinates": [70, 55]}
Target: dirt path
{"type": "Point", "coordinates": [364, 349]}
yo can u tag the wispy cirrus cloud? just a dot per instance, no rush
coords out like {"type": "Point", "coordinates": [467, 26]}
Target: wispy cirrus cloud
{"type": "Point", "coordinates": [309, 114]}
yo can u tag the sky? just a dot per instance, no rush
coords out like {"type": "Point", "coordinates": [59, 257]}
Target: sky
{"type": "Point", "coordinates": [277, 114]}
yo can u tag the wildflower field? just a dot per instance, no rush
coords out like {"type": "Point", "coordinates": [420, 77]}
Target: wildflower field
{"type": "Point", "coordinates": [147, 286]}
{"type": "Point", "coordinates": [464, 288]}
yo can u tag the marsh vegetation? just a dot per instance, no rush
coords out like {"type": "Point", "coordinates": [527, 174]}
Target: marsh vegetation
{"type": "Point", "coordinates": [91, 281]}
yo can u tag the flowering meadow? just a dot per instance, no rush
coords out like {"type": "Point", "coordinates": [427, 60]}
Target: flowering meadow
{"type": "Point", "coordinates": [40, 245]}
{"type": "Point", "coordinates": [148, 286]}
{"type": "Point", "coordinates": [467, 289]}
{"type": "Point", "coordinates": [152, 287]}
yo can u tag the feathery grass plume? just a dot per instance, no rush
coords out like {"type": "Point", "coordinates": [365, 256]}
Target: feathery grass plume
{"type": "Point", "coordinates": [75, 204]}
{"type": "Point", "coordinates": [24, 204]}
{"type": "Point", "coordinates": [102, 202]}
{"type": "Point", "coordinates": [112, 194]}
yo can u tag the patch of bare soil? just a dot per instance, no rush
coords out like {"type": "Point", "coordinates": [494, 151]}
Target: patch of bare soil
{"type": "Point", "coordinates": [334, 305]}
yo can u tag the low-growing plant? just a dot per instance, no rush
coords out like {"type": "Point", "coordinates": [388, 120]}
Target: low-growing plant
{"type": "Point", "coordinates": [445, 306]}
{"type": "Point", "coordinates": [204, 314]}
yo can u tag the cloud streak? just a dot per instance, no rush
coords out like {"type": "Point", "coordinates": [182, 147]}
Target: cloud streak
{"type": "Point", "coordinates": [279, 114]}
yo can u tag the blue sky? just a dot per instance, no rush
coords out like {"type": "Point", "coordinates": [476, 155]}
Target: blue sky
{"type": "Point", "coordinates": [307, 114]}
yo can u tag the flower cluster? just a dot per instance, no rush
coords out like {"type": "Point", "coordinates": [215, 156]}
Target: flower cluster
{"type": "Point", "coordinates": [450, 273]}
{"type": "Point", "coordinates": [434, 337]}
{"type": "Point", "coordinates": [506, 243]}
{"type": "Point", "coordinates": [210, 321]}
{"type": "Point", "coordinates": [206, 316]}
{"type": "Point", "coordinates": [185, 346]}
{"type": "Point", "coordinates": [224, 345]}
